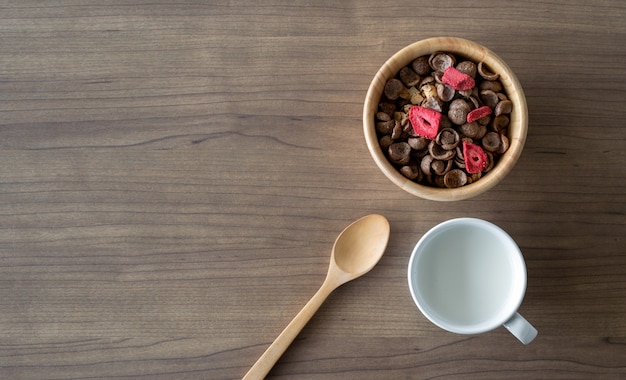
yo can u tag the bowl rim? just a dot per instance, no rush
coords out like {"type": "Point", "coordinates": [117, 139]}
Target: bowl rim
{"type": "Point", "coordinates": [469, 50]}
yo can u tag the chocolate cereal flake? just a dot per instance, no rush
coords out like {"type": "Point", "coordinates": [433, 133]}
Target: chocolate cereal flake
{"type": "Point", "coordinates": [443, 123]}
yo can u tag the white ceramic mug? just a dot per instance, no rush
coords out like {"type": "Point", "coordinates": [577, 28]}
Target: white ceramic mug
{"type": "Point", "coordinates": [468, 276]}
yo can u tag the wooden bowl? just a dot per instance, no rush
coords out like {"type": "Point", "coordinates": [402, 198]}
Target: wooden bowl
{"type": "Point", "coordinates": [469, 50]}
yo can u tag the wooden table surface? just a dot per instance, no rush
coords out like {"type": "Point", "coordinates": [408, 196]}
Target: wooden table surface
{"type": "Point", "coordinates": [174, 175]}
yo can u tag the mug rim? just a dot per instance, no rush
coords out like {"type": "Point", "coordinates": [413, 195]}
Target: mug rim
{"type": "Point", "coordinates": [497, 320]}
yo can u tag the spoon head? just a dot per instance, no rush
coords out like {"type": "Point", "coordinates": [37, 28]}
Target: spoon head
{"type": "Point", "coordinates": [360, 246]}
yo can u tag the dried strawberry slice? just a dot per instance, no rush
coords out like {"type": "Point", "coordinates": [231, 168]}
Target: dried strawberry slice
{"type": "Point", "coordinates": [457, 80]}
{"type": "Point", "coordinates": [478, 113]}
{"type": "Point", "coordinates": [425, 121]}
{"type": "Point", "coordinates": [475, 158]}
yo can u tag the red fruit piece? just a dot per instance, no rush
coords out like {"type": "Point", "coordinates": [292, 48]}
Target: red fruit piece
{"type": "Point", "coordinates": [478, 113]}
{"type": "Point", "coordinates": [457, 80]}
{"type": "Point", "coordinates": [475, 158]}
{"type": "Point", "coordinates": [425, 121]}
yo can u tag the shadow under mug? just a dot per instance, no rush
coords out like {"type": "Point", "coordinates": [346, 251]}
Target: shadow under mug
{"type": "Point", "coordinates": [468, 276]}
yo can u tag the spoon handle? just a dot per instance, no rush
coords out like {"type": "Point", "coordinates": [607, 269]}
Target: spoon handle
{"type": "Point", "coordinates": [265, 363]}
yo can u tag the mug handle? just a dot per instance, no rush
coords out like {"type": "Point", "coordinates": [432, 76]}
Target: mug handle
{"type": "Point", "coordinates": [521, 328]}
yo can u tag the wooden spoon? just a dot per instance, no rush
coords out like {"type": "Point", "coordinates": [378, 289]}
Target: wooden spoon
{"type": "Point", "coordinates": [355, 252]}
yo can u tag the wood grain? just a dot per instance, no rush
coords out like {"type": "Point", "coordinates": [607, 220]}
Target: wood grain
{"type": "Point", "coordinates": [175, 173]}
